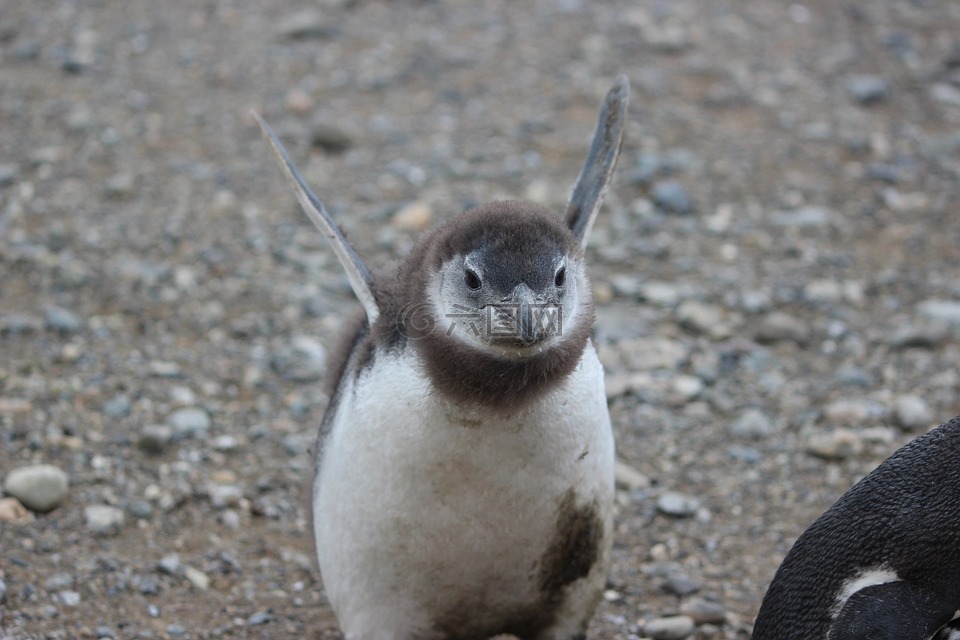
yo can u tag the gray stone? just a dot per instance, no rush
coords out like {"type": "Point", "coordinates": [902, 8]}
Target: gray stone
{"type": "Point", "coordinates": [868, 88]}
{"type": "Point", "coordinates": [189, 421]}
{"type": "Point", "coordinates": [302, 360]}
{"type": "Point", "coordinates": [671, 196]}
{"type": "Point", "coordinates": [307, 23]}
{"type": "Point", "coordinates": [260, 617]}
{"type": "Point", "coordinates": [628, 478]}
{"type": "Point", "coordinates": [105, 632]}
{"type": "Point", "coordinates": [671, 628]}
{"type": "Point", "coordinates": [58, 582]}
{"type": "Point", "coordinates": [662, 294]}
{"type": "Point", "coordinates": [8, 174]}
{"type": "Point", "coordinates": [781, 327]}
{"type": "Point", "coordinates": [118, 406]}
{"type": "Point", "coordinates": [155, 438]}
{"type": "Point", "coordinates": [41, 487]}
{"type": "Point", "coordinates": [102, 518]}
{"type": "Point", "coordinates": [752, 424]}
{"type": "Point", "coordinates": [199, 579]}
{"type": "Point", "coordinates": [225, 443]}
{"type": "Point", "coordinates": [224, 495]}
{"type": "Point", "coordinates": [941, 310]}
{"type": "Point", "coordinates": [63, 320]}
{"type": "Point", "coordinates": [120, 185]}
{"type": "Point", "coordinates": [169, 564]}
{"type": "Point", "coordinates": [140, 509]}
{"type": "Point", "coordinates": [16, 323]}
{"type": "Point", "coordinates": [329, 137]}
{"type": "Point", "coordinates": [925, 335]}
{"type": "Point", "coordinates": [673, 503]}
{"type": "Point", "coordinates": [850, 412]}
{"type": "Point", "coordinates": [69, 598]}
{"type": "Point", "coordinates": [176, 630]}
{"type": "Point", "coordinates": [912, 412]}
{"type": "Point", "coordinates": [805, 217]}
{"type": "Point", "coordinates": [680, 584]}
{"type": "Point", "coordinates": [704, 318]}
{"type": "Point", "coordinates": [834, 445]}
{"type": "Point", "coordinates": [3, 591]}
{"type": "Point", "coordinates": [704, 611]}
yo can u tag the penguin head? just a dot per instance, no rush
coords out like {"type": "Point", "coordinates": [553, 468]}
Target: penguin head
{"type": "Point", "coordinates": [507, 279]}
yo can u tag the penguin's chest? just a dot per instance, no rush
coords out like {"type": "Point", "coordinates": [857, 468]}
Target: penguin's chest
{"type": "Point", "coordinates": [421, 506]}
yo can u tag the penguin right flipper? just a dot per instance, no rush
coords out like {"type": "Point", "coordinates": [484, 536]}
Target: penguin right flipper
{"type": "Point", "coordinates": [891, 611]}
{"type": "Point", "coordinates": [357, 273]}
{"type": "Point", "coordinates": [601, 161]}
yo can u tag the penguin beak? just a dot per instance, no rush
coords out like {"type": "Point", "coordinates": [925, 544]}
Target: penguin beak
{"type": "Point", "coordinates": [528, 310]}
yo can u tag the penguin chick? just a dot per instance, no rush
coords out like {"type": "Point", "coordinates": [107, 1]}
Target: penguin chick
{"type": "Point", "coordinates": [464, 472]}
{"type": "Point", "coordinates": [883, 563]}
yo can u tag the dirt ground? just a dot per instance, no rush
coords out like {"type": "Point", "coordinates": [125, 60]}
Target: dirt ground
{"type": "Point", "coordinates": [776, 266]}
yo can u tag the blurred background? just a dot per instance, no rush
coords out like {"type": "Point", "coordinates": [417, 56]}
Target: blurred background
{"type": "Point", "coordinates": [776, 270]}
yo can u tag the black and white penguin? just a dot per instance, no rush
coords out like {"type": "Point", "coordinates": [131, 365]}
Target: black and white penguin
{"type": "Point", "coordinates": [464, 476]}
{"type": "Point", "coordinates": [883, 563]}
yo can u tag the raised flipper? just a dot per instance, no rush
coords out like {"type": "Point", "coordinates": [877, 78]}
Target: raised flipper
{"type": "Point", "coordinates": [601, 160]}
{"type": "Point", "coordinates": [357, 272]}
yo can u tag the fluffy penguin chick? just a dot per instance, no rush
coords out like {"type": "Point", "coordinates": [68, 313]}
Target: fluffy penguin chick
{"type": "Point", "coordinates": [883, 563]}
{"type": "Point", "coordinates": [464, 479]}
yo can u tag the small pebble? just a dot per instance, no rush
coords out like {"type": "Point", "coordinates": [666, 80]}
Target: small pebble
{"type": "Point", "coordinates": [947, 311]}
{"type": "Point", "coordinates": [330, 138]}
{"type": "Point", "coordinates": [197, 578]}
{"type": "Point", "coordinates": [3, 591]}
{"type": "Point", "coordinates": [260, 617]}
{"type": "Point", "coordinates": [105, 632]}
{"type": "Point", "coordinates": [58, 582]}
{"type": "Point", "coordinates": [140, 509]}
{"type": "Point", "coordinates": [69, 598]}
{"type": "Point", "coordinates": [672, 628]}
{"type": "Point", "coordinates": [806, 217]}
{"type": "Point", "coordinates": [176, 630]}
{"type": "Point", "coordinates": [103, 518]}
{"type": "Point", "coordinates": [63, 320]}
{"type": "Point", "coordinates": [303, 359]}
{"type": "Point", "coordinates": [752, 424]}
{"type": "Point", "coordinates": [838, 444]}
{"type": "Point", "coordinates": [155, 438]}
{"type": "Point", "coordinates": [781, 327]}
{"type": "Point", "coordinates": [912, 412]}
{"type": "Point", "coordinates": [680, 584]}
{"type": "Point", "coordinates": [867, 88]}
{"type": "Point", "coordinates": [703, 611]}
{"type": "Point", "coordinates": [118, 406]}
{"type": "Point", "coordinates": [415, 216]}
{"type": "Point", "coordinates": [189, 421]}
{"type": "Point", "coordinates": [677, 504]}
{"type": "Point", "coordinates": [169, 564]}
{"type": "Point", "coordinates": [307, 23]}
{"type": "Point", "coordinates": [12, 510]}
{"type": "Point", "coordinates": [40, 488]}
{"type": "Point", "coordinates": [672, 197]}
{"type": "Point", "coordinates": [628, 478]}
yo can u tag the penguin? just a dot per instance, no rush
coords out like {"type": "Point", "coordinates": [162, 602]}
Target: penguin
{"type": "Point", "coordinates": [463, 483]}
{"type": "Point", "coordinates": [883, 563]}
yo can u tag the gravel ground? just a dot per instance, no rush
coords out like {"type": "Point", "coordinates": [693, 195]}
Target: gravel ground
{"type": "Point", "coordinates": [776, 266]}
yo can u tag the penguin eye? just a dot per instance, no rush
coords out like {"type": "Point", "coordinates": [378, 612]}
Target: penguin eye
{"type": "Point", "coordinates": [561, 277]}
{"type": "Point", "coordinates": [471, 279]}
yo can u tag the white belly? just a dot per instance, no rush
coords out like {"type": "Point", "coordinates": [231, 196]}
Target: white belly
{"type": "Point", "coordinates": [423, 510]}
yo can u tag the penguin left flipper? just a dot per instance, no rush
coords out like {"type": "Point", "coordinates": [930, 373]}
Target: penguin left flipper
{"type": "Point", "coordinates": [360, 279]}
{"type": "Point", "coordinates": [597, 171]}
{"type": "Point", "coordinates": [892, 611]}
